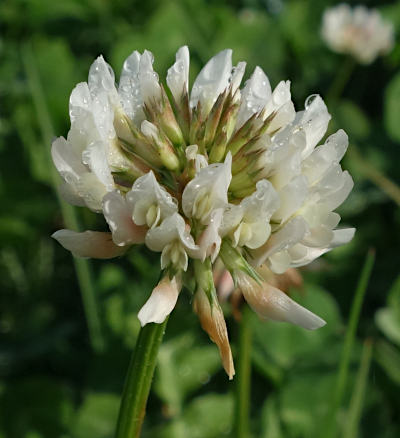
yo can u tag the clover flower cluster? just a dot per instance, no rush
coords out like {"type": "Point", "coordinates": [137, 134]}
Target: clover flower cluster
{"type": "Point", "coordinates": [359, 32]}
{"type": "Point", "coordinates": [218, 173]}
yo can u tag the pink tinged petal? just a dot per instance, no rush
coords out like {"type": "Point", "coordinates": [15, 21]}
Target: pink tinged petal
{"type": "Point", "coordinates": [281, 240]}
{"type": "Point", "coordinates": [161, 302]}
{"type": "Point", "coordinates": [213, 323]}
{"type": "Point", "coordinates": [89, 244]}
{"type": "Point", "coordinates": [118, 214]}
{"type": "Point", "coordinates": [178, 75]}
{"type": "Point", "coordinates": [129, 88]}
{"type": "Point", "coordinates": [271, 303]}
{"type": "Point", "coordinates": [212, 81]}
{"type": "Point", "coordinates": [225, 285]}
{"type": "Point", "coordinates": [254, 96]}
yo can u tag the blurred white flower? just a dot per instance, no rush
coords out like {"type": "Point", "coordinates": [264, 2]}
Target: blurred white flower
{"type": "Point", "coordinates": [216, 175]}
{"type": "Point", "coordinates": [359, 32]}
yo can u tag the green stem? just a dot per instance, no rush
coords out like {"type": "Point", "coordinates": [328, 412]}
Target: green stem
{"type": "Point", "coordinates": [243, 377]}
{"type": "Point", "coordinates": [345, 358]}
{"type": "Point", "coordinates": [70, 218]}
{"type": "Point", "coordinates": [341, 79]}
{"type": "Point", "coordinates": [138, 381]}
{"type": "Point", "coordinates": [357, 400]}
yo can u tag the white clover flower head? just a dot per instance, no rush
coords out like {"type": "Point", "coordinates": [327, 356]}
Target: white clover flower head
{"type": "Point", "coordinates": [359, 32]}
{"type": "Point", "coordinates": [215, 175]}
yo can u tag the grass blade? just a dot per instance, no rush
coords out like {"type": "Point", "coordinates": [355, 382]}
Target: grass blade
{"type": "Point", "coordinates": [357, 399]}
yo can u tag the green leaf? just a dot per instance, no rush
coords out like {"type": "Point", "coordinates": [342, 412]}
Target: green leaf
{"type": "Point", "coordinates": [271, 427]}
{"type": "Point", "coordinates": [388, 358]}
{"type": "Point", "coordinates": [183, 368]}
{"type": "Point", "coordinates": [388, 322]}
{"type": "Point", "coordinates": [97, 416]}
{"type": "Point", "coordinates": [284, 343]}
{"type": "Point", "coordinates": [304, 402]}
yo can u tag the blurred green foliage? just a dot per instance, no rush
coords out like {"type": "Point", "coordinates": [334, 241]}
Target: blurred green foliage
{"type": "Point", "coordinates": [51, 382]}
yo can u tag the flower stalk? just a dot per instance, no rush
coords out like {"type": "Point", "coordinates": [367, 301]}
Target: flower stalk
{"type": "Point", "coordinates": [243, 383]}
{"type": "Point", "coordinates": [138, 380]}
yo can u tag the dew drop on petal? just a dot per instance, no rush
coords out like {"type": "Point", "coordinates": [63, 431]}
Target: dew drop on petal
{"type": "Point", "coordinates": [310, 99]}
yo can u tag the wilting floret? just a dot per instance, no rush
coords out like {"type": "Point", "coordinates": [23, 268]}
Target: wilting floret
{"type": "Point", "coordinates": [220, 174]}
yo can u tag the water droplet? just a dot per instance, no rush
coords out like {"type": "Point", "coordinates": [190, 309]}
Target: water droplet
{"type": "Point", "coordinates": [310, 99]}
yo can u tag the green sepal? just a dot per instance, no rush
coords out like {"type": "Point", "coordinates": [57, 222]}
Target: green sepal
{"type": "Point", "coordinates": [234, 261]}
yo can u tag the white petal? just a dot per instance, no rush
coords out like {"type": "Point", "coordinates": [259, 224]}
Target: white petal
{"type": "Point", "coordinates": [80, 102]}
{"type": "Point", "coordinates": [271, 303]}
{"type": "Point", "coordinates": [314, 121]}
{"type": "Point", "coordinates": [285, 115]}
{"type": "Point", "coordinates": [292, 197]}
{"type": "Point", "coordinates": [210, 240]}
{"type": "Point", "coordinates": [237, 76]}
{"type": "Point", "coordinates": [70, 195]}
{"type": "Point", "coordinates": [279, 97]}
{"type": "Point", "coordinates": [91, 190]}
{"type": "Point", "coordinates": [161, 302]}
{"type": "Point", "coordinates": [149, 84]}
{"type": "Point", "coordinates": [147, 192]}
{"type": "Point", "coordinates": [102, 80]}
{"type": "Point", "coordinates": [342, 236]}
{"type": "Point", "coordinates": [208, 190]}
{"type": "Point", "coordinates": [129, 88]}
{"type": "Point", "coordinates": [283, 239]}
{"type": "Point", "coordinates": [212, 80]}
{"type": "Point", "coordinates": [88, 244]}
{"type": "Point", "coordinates": [178, 74]}
{"type": "Point", "coordinates": [68, 164]}
{"type": "Point", "coordinates": [200, 161]}
{"type": "Point", "coordinates": [118, 214]}
{"type": "Point", "coordinates": [279, 262]}
{"type": "Point", "coordinates": [171, 229]}
{"type": "Point", "coordinates": [95, 156]}
{"type": "Point", "coordinates": [337, 197]}
{"type": "Point", "coordinates": [262, 203]}
{"type": "Point", "coordinates": [339, 141]}
{"type": "Point", "coordinates": [255, 95]}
